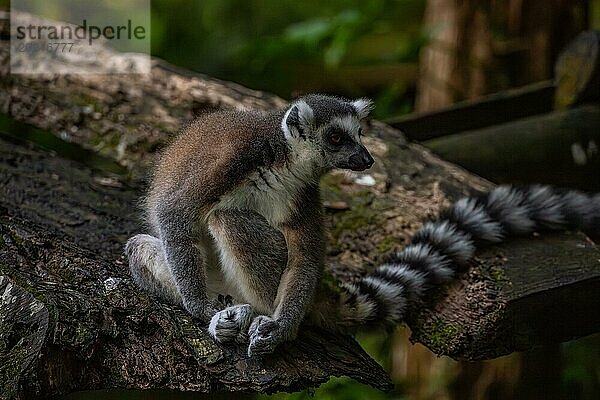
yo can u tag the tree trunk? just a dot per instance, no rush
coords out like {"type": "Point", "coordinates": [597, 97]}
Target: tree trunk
{"type": "Point", "coordinates": [480, 47]}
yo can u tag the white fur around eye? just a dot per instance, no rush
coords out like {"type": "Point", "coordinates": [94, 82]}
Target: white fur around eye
{"type": "Point", "coordinates": [363, 107]}
{"type": "Point", "coordinates": [348, 124]}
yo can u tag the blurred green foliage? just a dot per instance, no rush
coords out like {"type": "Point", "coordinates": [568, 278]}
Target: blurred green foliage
{"type": "Point", "coordinates": [581, 367]}
{"type": "Point", "coordinates": [290, 47]}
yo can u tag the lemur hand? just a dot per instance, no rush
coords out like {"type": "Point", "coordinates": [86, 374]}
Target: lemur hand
{"type": "Point", "coordinates": [265, 334]}
{"type": "Point", "coordinates": [231, 324]}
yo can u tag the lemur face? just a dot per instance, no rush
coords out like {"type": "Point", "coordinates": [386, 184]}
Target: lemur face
{"type": "Point", "coordinates": [341, 144]}
{"type": "Point", "coordinates": [330, 129]}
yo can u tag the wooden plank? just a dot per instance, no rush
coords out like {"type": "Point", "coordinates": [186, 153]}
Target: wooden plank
{"type": "Point", "coordinates": [63, 226]}
{"type": "Point", "coordinates": [517, 296]}
{"type": "Point", "coordinates": [498, 108]}
{"type": "Point", "coordinates": [559, 148]}
{"type": "Point", "coordinates": [578, 71]}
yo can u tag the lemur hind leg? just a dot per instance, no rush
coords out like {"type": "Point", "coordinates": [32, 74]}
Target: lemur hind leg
{"type": "Point", "coordinates": [187, 258]}
{"type": "Point", "coordinates": [253, 256]}
{"type": "Point", "coordinates": [149, 268]}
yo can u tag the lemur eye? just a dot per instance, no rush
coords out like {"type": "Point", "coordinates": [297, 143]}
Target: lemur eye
{"type": "Point", "coordinates": [335, 138]}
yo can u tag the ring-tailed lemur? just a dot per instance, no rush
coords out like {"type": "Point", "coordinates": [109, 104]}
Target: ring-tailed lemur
{"type": "Point", "coordinates": [234, 208]}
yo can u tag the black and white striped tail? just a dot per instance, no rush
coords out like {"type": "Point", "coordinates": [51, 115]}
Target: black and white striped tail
{"type": "Point", "coordinates": [439, 248]}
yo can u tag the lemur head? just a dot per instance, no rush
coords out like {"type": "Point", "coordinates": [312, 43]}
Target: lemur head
{"type": "Point", "coordinates": [328, 128]}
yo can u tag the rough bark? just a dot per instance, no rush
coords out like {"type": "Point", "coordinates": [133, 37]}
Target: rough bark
{"type": "Point", "coordinates": [518, 296]}
{"type": "Point", "coordinates": [121, 116]}
{"type": "Point", "coordinates": [63, 225]}
{"type": "Point", "coordinates": [73, 320]}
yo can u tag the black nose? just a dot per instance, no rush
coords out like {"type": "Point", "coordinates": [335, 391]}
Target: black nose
{"type": "Point", "coordinates": [361, 160]}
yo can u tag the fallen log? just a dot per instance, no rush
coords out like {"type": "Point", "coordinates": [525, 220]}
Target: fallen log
{"type": "Point", "coordinates": [508, 105]}
{"type": "Point", "coordinates": [71, 319]}
{"type": "Point", "coordinates": [520, 296]}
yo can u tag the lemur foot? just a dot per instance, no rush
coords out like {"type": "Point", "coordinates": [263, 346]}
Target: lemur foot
{"type": "Point", "coordinates": [231, 324]}
{"type": "Point", "coordinates": [265, 334]}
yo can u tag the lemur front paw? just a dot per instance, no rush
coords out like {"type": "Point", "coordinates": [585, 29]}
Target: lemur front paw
{"type": "Point", "coordinates": [231, 324]}
{"type": "Point", "coordinates": [265, 334]}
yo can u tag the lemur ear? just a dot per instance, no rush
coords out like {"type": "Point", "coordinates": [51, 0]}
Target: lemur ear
{"type": "Point", "coordinates": [363, 107]}
{"type": "Point", "coordinates": [297, 120]}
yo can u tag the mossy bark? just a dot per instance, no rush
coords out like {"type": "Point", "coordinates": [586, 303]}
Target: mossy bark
{"type": "Point", "coordinates": [71, 318]}
{"type": "Point", "coordinates": [63, 225]}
